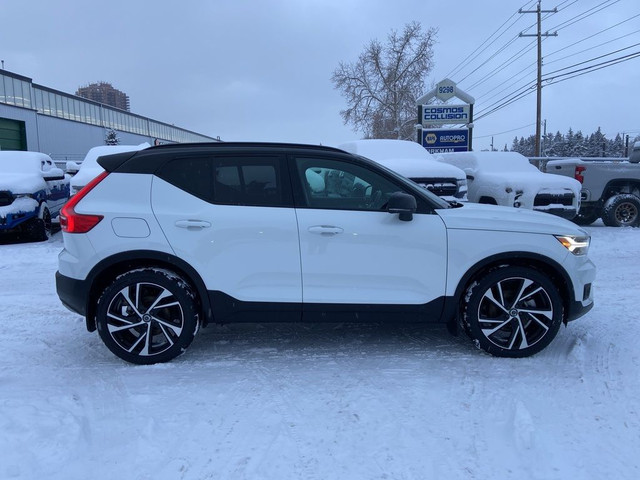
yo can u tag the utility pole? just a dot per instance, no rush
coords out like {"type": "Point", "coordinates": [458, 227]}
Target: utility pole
{"type": "Point", "coordinates": [539, 11]}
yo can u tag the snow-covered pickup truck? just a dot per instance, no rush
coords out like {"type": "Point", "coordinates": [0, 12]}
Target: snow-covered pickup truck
{"type": "Point", "coordinates": [610, 189]}
{"type": "Point", "coordinates": [32, 192]}
{"type": "Point", "coordinates": [411, 160]}
{"type": "Point", "coordinates": [510, 180]}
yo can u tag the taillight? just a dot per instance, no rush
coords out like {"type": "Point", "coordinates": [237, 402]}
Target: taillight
{"type": "Point", "coordinates": [578, 173]}
{"type": "Point", "coordinates": [73, 222]}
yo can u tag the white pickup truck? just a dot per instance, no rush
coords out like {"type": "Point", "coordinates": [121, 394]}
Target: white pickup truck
{"type": "Point", "coordinates": [509, 179]}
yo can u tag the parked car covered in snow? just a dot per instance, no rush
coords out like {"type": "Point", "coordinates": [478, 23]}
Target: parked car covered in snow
{"type": "Point", "coordinates": [509, 179]}
{"type": "Point", "coordinates": [412, 161]}
{"type": "Point", "coordinates": [89, 168]}
{"type": "Point", "coordinates": [32, 192]}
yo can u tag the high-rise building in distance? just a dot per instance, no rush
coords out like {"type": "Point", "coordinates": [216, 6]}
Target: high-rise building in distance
{"type": "Point", "coordinates": [103, 92]}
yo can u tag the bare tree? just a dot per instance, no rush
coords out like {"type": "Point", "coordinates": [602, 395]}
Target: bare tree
{"type": "Point", "coordinates": [382, 86]}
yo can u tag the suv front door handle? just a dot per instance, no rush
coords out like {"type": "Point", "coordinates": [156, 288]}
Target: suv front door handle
{"type": "Point", "coordinates": [325, 229]}
{"type": "Point", "coordinates": [192, 224]}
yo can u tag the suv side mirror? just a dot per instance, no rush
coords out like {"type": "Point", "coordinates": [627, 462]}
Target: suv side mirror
{"type": "Point", "coordinates": [72, 168]}
{"type": "Point", "coordinates": [403, 204]}
{"type": "Point", "coordinates": [54, 173]}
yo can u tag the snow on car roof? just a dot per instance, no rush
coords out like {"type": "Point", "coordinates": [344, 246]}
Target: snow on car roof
{"type": "Point", "coordinates": [489, 161]}
{"type": "Point", "coordinates": [384, 149]}
{"type": "Point", "coordinates": [92, 155]}
{"type": "Point", "coordinates": [17, 161]}
{"type": "Point", "coordinates": [89, 167]}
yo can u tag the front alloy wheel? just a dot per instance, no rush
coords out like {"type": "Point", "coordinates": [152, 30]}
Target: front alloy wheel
{"type": "Point", "coordinates": [513, 312]}
{"type": "Point", "coordinates": [147, 316]}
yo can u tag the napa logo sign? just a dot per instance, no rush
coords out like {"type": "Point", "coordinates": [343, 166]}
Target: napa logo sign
{"type": "Point", "coordinates": [445, 114]}
{"type": "Point", "coordinates": [442, 141]}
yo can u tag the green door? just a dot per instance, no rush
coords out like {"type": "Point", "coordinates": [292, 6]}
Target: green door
{"type": "Point", "coordinates": [12, 135]}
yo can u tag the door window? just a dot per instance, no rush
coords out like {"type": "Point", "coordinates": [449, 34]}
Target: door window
{"type": "Point", "coordinates": [332, 184]}
{"type": "Point", "coordinates": [233, 180]}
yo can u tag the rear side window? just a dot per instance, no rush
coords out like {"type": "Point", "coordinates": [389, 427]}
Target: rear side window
{"type": "Point", "coordinates": [256, 181]}
{"type": "Point", "coordinates": [193, 175]}
{"type": "Point", "coordinates": [231, 180]}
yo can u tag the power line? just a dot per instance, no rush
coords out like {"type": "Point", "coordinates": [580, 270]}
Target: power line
{"type": "Point", "coordinates": [595, 58]}
{"type": "Point", "coordinates": [506, 131]}
{"type": "Point", "coordinates": [591, 68]}
{"type": "Point", "coordinates": [568, 23]}
{"type": "Point", "coordinates": [462, 64]}
{"type": "Point", "coordinates": [574, 19]}
{"type": "Point", "coordinates": [595, 34]}
{"type": "Point", "coordinates": [590, 48]}
{"type": "Point", "coordinates": [515, 77]}
{"type": "Point", "coordinates": [515, 56]}
{"type": "Point", "coordinates": [520, 53]}
{"type": "Point", "coordinates": [555, 79]}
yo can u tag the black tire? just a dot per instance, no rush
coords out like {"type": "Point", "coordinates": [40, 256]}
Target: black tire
{"type": "Point", "coordinates": [147, 316]}
{"type": "Point", "coordinates": [621, 211]}
{"type": "Point", "coordinates": [39, 229]}
{"type": "Point", "coordinates": [513, 312]}
{"type": "Point", "coordinates": [586, 217]}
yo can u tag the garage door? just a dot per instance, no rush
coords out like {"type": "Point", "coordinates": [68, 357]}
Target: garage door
{"type": "Point", "coordinates": [12, 135]}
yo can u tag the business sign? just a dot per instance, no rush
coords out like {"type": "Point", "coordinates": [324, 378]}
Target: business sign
{"type": "Point", "coordinates": [443, 141]}
{"type": "Point", "coordinates": [445, 89]}
{"type": "Point", "coordinates": [445, 114]}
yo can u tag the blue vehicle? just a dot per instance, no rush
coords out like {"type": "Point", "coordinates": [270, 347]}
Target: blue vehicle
{"type": "Point", "coordinates": [32, 192]}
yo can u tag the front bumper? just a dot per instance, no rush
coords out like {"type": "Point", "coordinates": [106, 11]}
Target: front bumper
{"type": "Point", "coordinates": [568, 213]}
{"type": "Point", "coordinates": [14, 222]}
{"type": "Point", "coordinates": [577, 310]}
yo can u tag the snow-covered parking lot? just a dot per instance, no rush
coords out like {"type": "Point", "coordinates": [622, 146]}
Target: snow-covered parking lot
{"type": "Point", "coordinates": [319, 401]}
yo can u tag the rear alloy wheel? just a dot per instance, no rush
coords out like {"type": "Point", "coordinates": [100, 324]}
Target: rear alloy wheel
{"type": "Point", "coordinates": [513, 312]}
{"type": "Point", "coordinates": [147, 316]}
{"type": "Point", "coordinates": [621, 211]}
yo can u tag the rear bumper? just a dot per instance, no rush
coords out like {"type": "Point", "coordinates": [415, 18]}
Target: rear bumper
{"type": "Point", "coordinates": [73, 293]}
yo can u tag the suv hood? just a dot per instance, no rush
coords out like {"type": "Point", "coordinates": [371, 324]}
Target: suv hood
{"type": "Point", "coordinates": [531, 181]}
{"type": "Point", "coordinates": [475, 216]}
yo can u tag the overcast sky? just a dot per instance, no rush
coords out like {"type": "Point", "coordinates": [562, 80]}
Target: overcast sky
{"type": "Point", "coordinates": [261, 70]}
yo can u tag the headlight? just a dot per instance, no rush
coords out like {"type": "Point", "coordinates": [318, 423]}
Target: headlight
{"type": "Point", "coordinates": [578, 245]}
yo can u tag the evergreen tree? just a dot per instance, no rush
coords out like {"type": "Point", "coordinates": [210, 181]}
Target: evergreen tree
{"type": "Point", "coordinates": [575, 145]}
{"type": "Point", "coordinates": [111, 137]}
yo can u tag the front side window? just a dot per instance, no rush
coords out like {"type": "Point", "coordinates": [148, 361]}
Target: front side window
{"type": "Point", "coordinates": [333, 184]}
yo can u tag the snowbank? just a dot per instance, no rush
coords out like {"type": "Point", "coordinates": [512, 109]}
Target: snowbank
{"type": "Point", "coordinates": [278, 402]}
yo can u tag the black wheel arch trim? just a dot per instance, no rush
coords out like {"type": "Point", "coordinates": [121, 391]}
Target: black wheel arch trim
{"type": "Point", "coordinates": [125, 261]}
{"type": "Point", "coordinates": [613, 187]}
{"type": "Point", "coordinates": [523, 259]}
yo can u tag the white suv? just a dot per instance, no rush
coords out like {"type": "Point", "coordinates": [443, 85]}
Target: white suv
{"type": "Point", "coordinates": [174, 237]}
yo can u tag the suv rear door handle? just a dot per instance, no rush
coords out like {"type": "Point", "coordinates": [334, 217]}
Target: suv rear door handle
{"type": "Point", "coordinates": [325, 229]}
{"type": "Point", "coordinates": [192, 224]}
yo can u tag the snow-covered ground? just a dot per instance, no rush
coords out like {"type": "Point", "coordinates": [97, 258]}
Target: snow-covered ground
{"type": "Point", "coordinates": [322, 401]}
